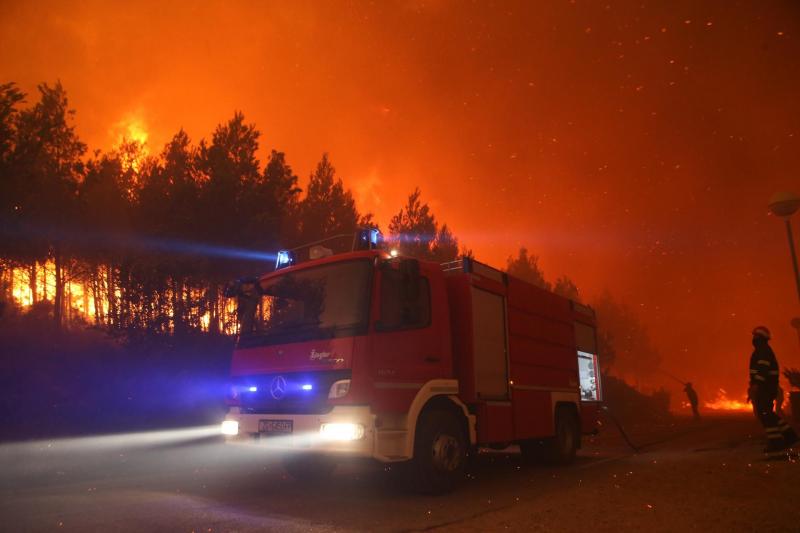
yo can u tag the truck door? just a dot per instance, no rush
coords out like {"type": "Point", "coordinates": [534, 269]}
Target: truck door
{"type": "Point", "coordinates": [410, 344]}
{"type": "Point", "coordinates": [490, 345]}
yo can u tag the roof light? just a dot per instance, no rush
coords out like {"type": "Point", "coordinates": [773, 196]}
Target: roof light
{"type": "Point", "coordinates": [253, 389]}
{"type": "Point", "coordinates": [369, 239]}
{"type": "Point", "coordinates": [307, 386]}
{"type": "Point", "coordinates": [375, 236]}
{"type": "Point", "coordinates": [284, 259]}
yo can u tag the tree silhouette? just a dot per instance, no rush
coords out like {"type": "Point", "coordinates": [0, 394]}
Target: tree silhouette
{"type": "Point", "coordinates": [275, 200]}
{"type": "Point", "coordinates": [526, 268]}
{"type": "Point", "coordinates": [104, 206]}
{"type": "Point", "coordinates": [10, 97]}
{"type": "Point", "coordinates": [567, 288]}
{"type": "Point", "coordinates": [47, 159]}
{"type": "Point", "coordinates": [415, 232]}
{"type": "Point", "coordinates": [328, 208]}
{"type": "Point", "coordinates": [231, 170]}
{"type": "Point", "coordinates": [11, 187]}
{"type": "Point", "coordinates": [445, 245]}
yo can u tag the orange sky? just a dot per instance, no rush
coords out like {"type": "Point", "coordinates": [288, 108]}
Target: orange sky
{"type": "Point", "coordinates": [632, 146]}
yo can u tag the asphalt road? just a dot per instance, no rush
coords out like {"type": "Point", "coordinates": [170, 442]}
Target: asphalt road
{"type": "Point", "coordinates": [706, 476]}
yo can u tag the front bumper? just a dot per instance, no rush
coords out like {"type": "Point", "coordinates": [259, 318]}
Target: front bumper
{"type": "Point", "coordinates": [306, 436]}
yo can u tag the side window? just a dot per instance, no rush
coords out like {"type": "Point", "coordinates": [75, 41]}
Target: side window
{"type": "Point", "coordinates": [588, 368]}
{"type": "Point", "coordinates": [400, 307]}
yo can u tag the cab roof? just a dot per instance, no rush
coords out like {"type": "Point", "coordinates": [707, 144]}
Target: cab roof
{"type": "Point", "coordinates": [335, 258]}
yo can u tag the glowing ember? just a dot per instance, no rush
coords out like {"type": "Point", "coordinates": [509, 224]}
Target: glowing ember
{"type": "Point", "coordinates": [723, 403]}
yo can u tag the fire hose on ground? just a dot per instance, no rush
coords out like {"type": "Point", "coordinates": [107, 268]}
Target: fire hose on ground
{"type": "Point", "coordinates": [622, 432]}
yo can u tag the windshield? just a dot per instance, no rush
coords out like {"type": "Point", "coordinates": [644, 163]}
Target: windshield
{"type": "Point", "coordinates": [326, 301]}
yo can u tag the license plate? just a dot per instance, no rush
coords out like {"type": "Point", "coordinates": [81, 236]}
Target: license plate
{"type": "Point", "coordinates": [275, 427]}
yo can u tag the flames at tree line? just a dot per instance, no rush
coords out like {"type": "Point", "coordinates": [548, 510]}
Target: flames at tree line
{"type": "Point", "coordinates": [629, 149]}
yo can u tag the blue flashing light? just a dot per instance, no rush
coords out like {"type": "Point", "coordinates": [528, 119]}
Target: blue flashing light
{"type": "Point", "coordinates": [375, 237]}
{"type": "Point", "coordinates": [253, 389]}
{"type": "Point", "coordinates": [284, 259]}
{"type": "Point", "coordinates": [369, 239]}
{"type": "Point", "coordinates": [307, 386]}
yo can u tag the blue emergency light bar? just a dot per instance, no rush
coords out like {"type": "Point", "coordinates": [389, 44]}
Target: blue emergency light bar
{"type": "Point", "coordinates": [369, 239]}
{"type": "Point", "coordinates": [375, 237]}
{"type": "Point", "coordinates": [284, 259]}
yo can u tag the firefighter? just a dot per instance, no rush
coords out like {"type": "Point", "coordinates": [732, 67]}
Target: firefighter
{"type": "Point", "coordinates": [763, 390]}
{"type": "Point", "coordinates": [691, 394]}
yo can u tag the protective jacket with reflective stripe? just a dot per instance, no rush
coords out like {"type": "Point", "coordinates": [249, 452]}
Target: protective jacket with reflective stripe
{"type": "Point", "coordinates": [764, 367]}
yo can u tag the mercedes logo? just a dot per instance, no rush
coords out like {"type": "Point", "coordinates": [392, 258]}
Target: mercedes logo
{"type": "Point", "coordinates": [278, 387]}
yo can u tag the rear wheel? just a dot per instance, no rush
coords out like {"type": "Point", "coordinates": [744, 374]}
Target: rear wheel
{"type": "Point", "coordinates": [561, 448]}
{"type": "Point", "coordinates": [565, 444]}
{"type": "Point", "coordinates": [440, 453]}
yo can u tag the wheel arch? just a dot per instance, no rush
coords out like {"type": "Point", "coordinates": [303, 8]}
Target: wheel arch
{"type": "Point", "coordinates": [571, 407]}
{"type": "Point", "coordinates": [438, 394]}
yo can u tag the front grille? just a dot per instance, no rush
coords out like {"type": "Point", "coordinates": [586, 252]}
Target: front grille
{"type": "Point", "coordinates": [258, 392]}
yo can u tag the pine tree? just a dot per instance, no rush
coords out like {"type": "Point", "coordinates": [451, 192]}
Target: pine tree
{"type": "Point", "coordinates": [415, 232]}
{"type": "Point", "coordinates": [47, 158]}
{"type": "Point", "coordinates": [328, 209]}
{"type": "Point", "coordinates": [526, 268]}
{"type": "Point", "coordinates": [11, 187]}
{"type": "Point", "coordinates": [275, 204]}
{"type": "Point", "coordinates": [567, 288]}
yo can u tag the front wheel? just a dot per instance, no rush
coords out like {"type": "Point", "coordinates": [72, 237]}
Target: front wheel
{"type": "Point", "coordinates": [440, 453]}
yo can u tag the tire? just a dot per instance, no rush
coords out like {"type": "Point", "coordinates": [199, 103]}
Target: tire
{"type": "Point", "coordinates": [440, 453]}
{"type": "Point", "coordinates": [565, 444]}
{"type": "Point", "coordinates": [309, 468]}
{"type": "Point", "coordinates": [558, 450]}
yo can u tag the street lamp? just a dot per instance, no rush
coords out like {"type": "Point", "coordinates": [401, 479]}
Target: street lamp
{"type": "Point", "coordinates": [785, 204]}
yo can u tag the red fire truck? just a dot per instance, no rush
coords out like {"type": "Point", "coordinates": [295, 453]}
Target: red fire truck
{"type": "Point", "coordinates": [372, 355]}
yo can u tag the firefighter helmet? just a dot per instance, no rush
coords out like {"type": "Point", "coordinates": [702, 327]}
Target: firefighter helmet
{"type": "Point", "coordinates": [761, 331]}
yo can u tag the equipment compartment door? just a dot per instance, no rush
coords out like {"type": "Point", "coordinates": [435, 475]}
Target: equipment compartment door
{"type": "Point", "coordinates": [490, 345]}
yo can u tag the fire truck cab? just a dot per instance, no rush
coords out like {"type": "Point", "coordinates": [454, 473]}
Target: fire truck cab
{"type": "Point", "coordinates": [365, 354]}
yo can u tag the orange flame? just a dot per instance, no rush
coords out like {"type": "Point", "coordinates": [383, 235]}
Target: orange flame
{"type": "Point", "coordinates": [79, 297]}
{"type": "Point", "coordinates": [723, 403]}
{"type": "Point", "coordinates": [131, 134]}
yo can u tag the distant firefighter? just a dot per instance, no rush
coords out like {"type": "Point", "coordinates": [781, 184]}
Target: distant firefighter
{"type": "Point", "coordinates": [691, 394]}
{"type": "Point", "coordinates": [763, 392]}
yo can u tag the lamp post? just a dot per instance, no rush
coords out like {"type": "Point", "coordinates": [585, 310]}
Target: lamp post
{"type": "Point", "coordinates": [784, 205]}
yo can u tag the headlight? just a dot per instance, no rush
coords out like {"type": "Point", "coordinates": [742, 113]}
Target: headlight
{"type": "Point", "coordinates": [338, 431]}
{"type": "Point", "coordinates": [339, 388]}
{"type": "Point", "coordinates": [230, 428]}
